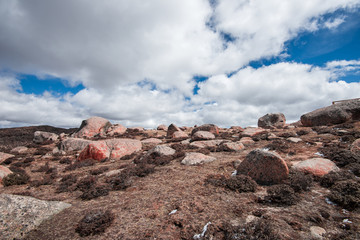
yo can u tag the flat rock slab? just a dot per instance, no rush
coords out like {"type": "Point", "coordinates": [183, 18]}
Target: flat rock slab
{"type": "Point", "coordinates": [19, 150]}
{"type": "Point", "coordinates": [74, 144]}
{"type": "Point", "coordinates": [151, 142]}
{"type": "Point", "coordinates": [162, 150]}
{"type": "Point", "coordinates": [232, 146]}
{"type": "Point", "coordinates": [196, 159]}
{"type": "Point", "coordinates": [316, 166]}
{"type": "Point", "coordinates": [202, 135]}
{"type": "Point", "coordinates": [264, 167]}
{"type": "Point", "coordinates": [21, 214]}
{"type": "Point", "coordinates": [251, 132]}
{"type": "Point", "coordinates": [4, 156]}
{"type": "Point", "coordinates": [205, 144]}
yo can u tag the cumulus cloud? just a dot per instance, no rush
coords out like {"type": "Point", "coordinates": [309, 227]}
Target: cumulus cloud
{"type": "Point", "coordinates": [137, 60]}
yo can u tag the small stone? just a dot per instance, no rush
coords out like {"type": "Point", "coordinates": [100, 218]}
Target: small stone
{"type": "Point", "coordinates": [162, 150]}
{"type": "Point", "coordinates": [202, 135]}
{"type": "Point", "coordinates": [316, 166]}
{"type": "Point", "coordinates": [251, 132]}
{"type": "Point", "coordinates": [206, 144]}
{"type": "Point", "coordinates": [4, 156]}
{"type": "Point", "coordinates": [232, 146]}
{"type": "Point", "coordinates": [317, 232]}
{"type": "Point", "coordinates": [247, 141]}
{"type": "Point", "coordinates": [193, 158]}
{"type": "Point", "coordinates": [19, 150]}
{"type": "Point", "coordinates": [179, 135]}
{"type": "Point", "coordinates": [294, 140]}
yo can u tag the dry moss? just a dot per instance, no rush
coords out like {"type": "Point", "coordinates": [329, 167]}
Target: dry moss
{"type": "Point", "coordinates": [94, 222]}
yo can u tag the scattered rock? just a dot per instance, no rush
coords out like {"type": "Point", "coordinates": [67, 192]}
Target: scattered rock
{"type": "Point", "coordinates": [151, 142]}
{"type": "Point", "coordinates": [202, 135]}
{"type": "Point", "coordinates": [4, 171]}
{"type": "Point", "coordinates": [206, 144]}
{"type": "Point", "coordinates": [334, 114]}
{"type": "Point", "coordinates": [179, 135]}
{"type": "Point", "coordinates": [355, 147]}
{"type": "Point", "coordinates": [4, 156]}
{"type": "Point", "coordinates": [74, 144]}
{"type": "Point", "coordinates": [208, 128]}
{"type": "Point", "coordinates": [317, 232]}
{"type": "Point", "coordinates": [97, 150]}
{"type": "Point", "coordinates": [272, 120]}
{"type": "Point", "coordinates": [316, 166]}
{"type": "Point", "coordinates": [29, 212]}
{"type": "Point", "coordinates": [247, 141]}
{"type": "Point", "coordinates": [232, 146]}
{"type": "Point", "coordinates": [19, 150]}
{"type": "Point", "coordinates": [264, 167]}
{"type": "Point", "coordinates": [40, 137]}
{"type": "Point", "coordinates": [162, 127]}
{"type": "Point", "coordinates": [91, 127]}
{"type": "Point", "coordinates": [294, 140]}
{"type": "Point", "coordinates": [116, 129]}
{"type": "Point", "coordinates": [192, 158]}
{"type": "Point", "coordinates": [252, 131]}
{"type": "Point", "coordinates": [162, 150]}
{"type": "Point", "coordinates": [171, 129]}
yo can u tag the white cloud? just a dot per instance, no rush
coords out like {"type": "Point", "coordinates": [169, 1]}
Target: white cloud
{"type": "Point", "coordinates": [111, 46]}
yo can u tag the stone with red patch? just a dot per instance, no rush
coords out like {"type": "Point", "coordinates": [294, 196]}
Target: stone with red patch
{"type": "Point", "coordinates": [264, 167]}
{"type": "Point", "coordinates": [122, 146]}
{"type": "Point", "coordinates": [92, 127]}
{"type": "Point", "coordinates": [316, 166]}
{"type": "Point", "coordinates": [97, 150]}
{"type": "Point", "coordinates": [116, 129]}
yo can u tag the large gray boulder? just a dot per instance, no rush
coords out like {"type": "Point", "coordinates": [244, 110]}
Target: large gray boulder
{"type": "Point", "coordinates": [337, 113]}
{"type": "Point", "coordinates": [21, 214]}
{"type": "Point", "coordinates": [276, 120]}
{"type": "Point", "coordinates": [40, 137]}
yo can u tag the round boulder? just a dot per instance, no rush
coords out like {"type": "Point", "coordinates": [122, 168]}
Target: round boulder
{"type": "Point", "coordinates": [270, 120]}
{"type": "Point", "coordinates": [264, 167]}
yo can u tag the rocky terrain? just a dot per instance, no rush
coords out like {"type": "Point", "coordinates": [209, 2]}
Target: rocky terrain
{"type": "Point", "coordinates": [106, 181]}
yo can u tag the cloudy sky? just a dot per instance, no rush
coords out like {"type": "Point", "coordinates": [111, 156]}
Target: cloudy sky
{"type": "Point", "coordinates": [144, 63]}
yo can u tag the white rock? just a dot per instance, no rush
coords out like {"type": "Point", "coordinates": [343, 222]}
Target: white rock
{"type": "Point", "coordinates": [193, 158]}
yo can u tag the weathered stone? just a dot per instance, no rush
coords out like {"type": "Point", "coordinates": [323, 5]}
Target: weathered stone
{"type": "Point", "coordinates": [207, 127]}
{"type": "Point", "coordinates": [116, 129]}
{"type": "Point", "coordinates": [4, 171]}
{"type": "Point", "coordinates": [334, 114]}
{"type": "Point", "coordinates": [193, 158]}
{"type": "Point", "coordinates": [202, 135]}
{"type": "Point", "coordinates": [270, 120]}
{"type": "Point", "coordinates": [232, 146]}
{"type": "Point", "coordinates": [93, 126]}
{"type": "Point", "coordinates": [264, 167]}
{"type": "Point", "coordinates": [4, 156]}
{"type": "Point", "coordinates": [19, 150]}
{"type": "Point", "coordinates": [252, 131]}
{"type": "Point", "coordinates": [316, 166]}
{"type": "Point", "coordinates": [171, 129]}
{"type": "Point", "coordinates": [206, 144]}
{"type": "Point", "coordinates": [162, 127]}
{"type": "Point", "coordinates": [40, 137]}
{"type": "Point", "coordinates": [317, 232]}
{"type": "Point", "coordinates": [74, 144]}
{"type": "Point", "coordinates": [138, 129]}
{"type": "Point", "coordinates": [294, 140]}
{"type": "Point", "coordinates": [355, 147]}
{"type": "Point", "coordinates": [21, 214]}
{"type": "Point", "coordinates": [162, 150]}
{"type": "Point", "coordinates": [247, 141]}
{"type": "Point", "coordinates": [179, 135]}
{"type": "Point", "coordinates": [150, 142]}
{"type": "Point", "coordinates": [97, 150]}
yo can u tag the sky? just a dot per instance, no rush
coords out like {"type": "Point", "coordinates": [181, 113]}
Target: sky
{"type": "Point", "coordinates": [146, 63]}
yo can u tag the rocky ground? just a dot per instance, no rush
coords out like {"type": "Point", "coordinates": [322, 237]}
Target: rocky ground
{"type": "Point", "coordinates": [181, 183]}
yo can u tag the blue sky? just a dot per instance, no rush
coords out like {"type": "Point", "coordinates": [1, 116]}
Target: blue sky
{"type": "Point", "coordinates": [185, 62]}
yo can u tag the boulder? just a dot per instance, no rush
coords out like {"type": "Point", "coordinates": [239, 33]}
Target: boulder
{"type": "Point", "coordinates": [355, 147]}
{"type": "Point", "coordinates": [21, 214]}
{"type": "Point", "coordinates": [162, 150]}
{"type": "Point", "coordinates": [91, 127]}
{"type": "Point", "coordinates": [272, 120]}
{"type": "Point", "coordinates": [4, 156]}
{"type": "Point", "coordinates": [4, 171]}
{"type": "Point", "coordinates": [150, 142]}
{"type": "Point", "coordinates": [316, 166]}
{"type": "Point", "coordinates": [19, 150]}
{"type": "Point", "coordinates": [171, 129]}
{"type": "Point", "coordinates": [40, 137]}
{"type": "Point", "coordinates": [232, 146]}
{"type": "Point", "coordinates": [206, 144]}
{"type": "Point", "coordinates": [202, 135]}
{"type": "Point", "coordinates": [207, 127]}
{"type": "Point", "coordinates": [247, 141]}
{"type": "Point", "coordinates": [162, 127]}
{"type": "Point", "coordinates": [252, 131]}
{"type": "Point", "coordinates": [179, 135]}
{"type": "Point", "coordinates": [193, 158]}
{"type": "Point", "coordinates": [264, 167]}
{"type": "Point", "coordinates": [116, 129]}
{"type": "Point", "coordinates": [334, 114]}
{"type": "Point", "coordinates": [110, 148]}
{"type": "Point", "coordinates": [74, 144]}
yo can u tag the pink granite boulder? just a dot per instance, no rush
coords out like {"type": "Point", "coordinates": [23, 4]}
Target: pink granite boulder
{"type": "Point", "coordinates": [316, 166]}
{"type": "Point", "coordinates": [93, 126]}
